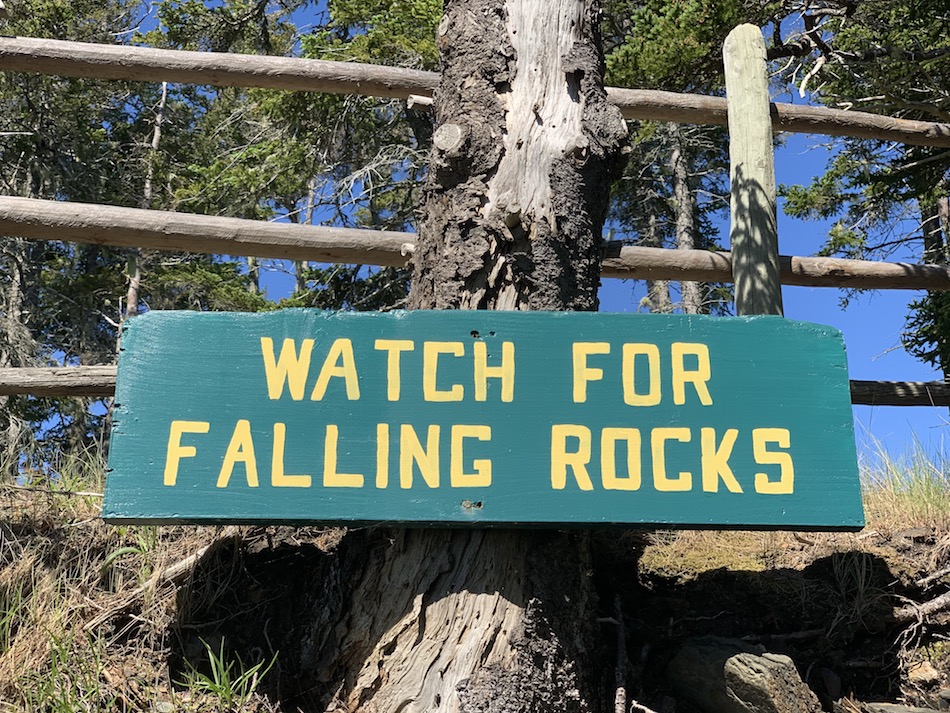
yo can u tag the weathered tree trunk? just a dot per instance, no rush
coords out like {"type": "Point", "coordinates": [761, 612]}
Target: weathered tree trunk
{"type": "Point", "coordinates": [658, 291]}
{"type": "Point", "coordinates": [16, 348]}
{"type": "Point", "coordinates": [685, 206]}
{"type": "Point", "coordinates": [524, 151]}
{"type": "Point", "coordinates": [934, 217]}
{"type": "Point", "coordinates": [148, 191]}
{"type": "Point", "coordinates": [523, 155]}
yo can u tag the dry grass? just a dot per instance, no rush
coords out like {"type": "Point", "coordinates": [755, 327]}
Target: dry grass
{"type": "Point", "coordinates": [86, 609]}
{"type": "Point", "coordinates": [908, 492]}
{"type": "Point", "coordinates": [900, 496]}
{"type": "Point", "coordinates": [83, 620]}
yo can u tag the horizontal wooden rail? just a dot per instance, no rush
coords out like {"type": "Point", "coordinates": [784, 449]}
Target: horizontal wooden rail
{"type": "Point", "coordinates": [80, 59]}
{"type": "Point", "coordinates": [166, 230]}
{"type": "Point", "coordinates": [900, 393]}
{"type": "Point", "coordinates": [95, 381]}
{"type": "Point", "coordinates": [219, 69]}
{"type": "Point", "coordinates": [624, 261]}
{"type": "Point", "coordinates": [99, 381]}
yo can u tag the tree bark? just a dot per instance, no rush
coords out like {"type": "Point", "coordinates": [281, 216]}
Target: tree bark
{"type": "Point", "coordinates": [685, 206]}
{"type": "Point", "coordinates": [525, 149]}
{"type": "Point", "coordinates": [658, 291]}
{"type": "Point", "coordinates": [935, 246]}
{"type": "Point", "coordinates": [148, 192]}
{"type": "Point", "coordinates": [16, 349]}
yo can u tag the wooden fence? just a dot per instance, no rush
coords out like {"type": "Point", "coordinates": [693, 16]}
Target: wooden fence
{"type": "Point", "coordinates": [129, 227]}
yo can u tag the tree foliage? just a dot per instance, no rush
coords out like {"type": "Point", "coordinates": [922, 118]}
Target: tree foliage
{"type": "Point", "coordinates": [889, 57]}
{"type": "Point", "coordinates": [353, 161]}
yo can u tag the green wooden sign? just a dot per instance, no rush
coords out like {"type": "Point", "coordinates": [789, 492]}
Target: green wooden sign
{"type": "Point", "coordinates": [482, 418]}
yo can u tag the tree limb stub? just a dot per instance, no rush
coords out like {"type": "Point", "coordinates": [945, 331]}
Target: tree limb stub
{"type": "Point", "coordinates": [79, 59]}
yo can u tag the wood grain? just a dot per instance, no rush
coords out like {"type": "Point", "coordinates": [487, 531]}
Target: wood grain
{"type": "Point", "coordinates": [582, 420]}
{"type": "Point", "coordinates": [78, 59]}
{"type": "Point", "coordinates": [900, 393]}
{"type": "Point", "coordinates": [220, 69]}
{"type": "Point", "coordinates": [94, 381]}
{"type": "Point", "coordinates": [166, 230]}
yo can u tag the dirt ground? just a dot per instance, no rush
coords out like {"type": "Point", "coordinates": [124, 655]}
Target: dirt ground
{"type": "Point", "coordinates": [129, 618]}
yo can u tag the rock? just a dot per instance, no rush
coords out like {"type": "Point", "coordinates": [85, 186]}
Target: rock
{"type": "Point", "coordinates": [729, 676]}
{"type": "Point", "coordinates": [163, 707]}
{"type": "Point", "coordinates": [916, 534]}
{"type": "Point", "coordinates": [923, 674]}
{"type": "Point", "coordinates": [832, 683]}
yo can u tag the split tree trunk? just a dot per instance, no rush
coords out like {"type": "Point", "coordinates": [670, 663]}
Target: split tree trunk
{"type": "Point", "coordinates": [525, 149]}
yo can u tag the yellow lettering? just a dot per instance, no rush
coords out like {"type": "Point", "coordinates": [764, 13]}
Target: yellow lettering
{"type": "Point", "coordinates": [411, 451]}
{"type": "Point", "coordinates": [630, 354]}
{"type": "Point", "coordinates": [382, 455]}
{"type": "Point", "coordinates": [505, 372]}
{"type": "Point", "coordinates": [176, 451]}
{"type": "Point", "coordinates": [340, 351]}
{"type": "Point", "coordinates": [716, 460]}
{"type": "Point", "coordinates": [278, 478]}
{"type": "Point", "coordinates": [761, 437]}
{"type": "Point", "coordinates": [661, 482]}
{"type": "Point", "coordinates": [577, 461]}
{"type": "Point", "coordinates": [608, 458]}
{"type": "Point", "coordinates": [584, 373]}
{"type": "Point", "coordinates": [481, 478]}
{"type": "Point", "coordinates": [289, 368]}
{"type": "Point", "coordinates": [394, 348]}
{"type": "Point", "coordinates": [331, 478]}
{"type": "Point", "coordinates": [430, 368]}
{"type": "Point", "coordinates": [697, 377]}
{"type": "Point", "coordinates": [240, 450]}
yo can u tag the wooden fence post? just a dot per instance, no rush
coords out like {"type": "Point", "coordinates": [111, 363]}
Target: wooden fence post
{"type": "Point", "coordinates": [755, 263]}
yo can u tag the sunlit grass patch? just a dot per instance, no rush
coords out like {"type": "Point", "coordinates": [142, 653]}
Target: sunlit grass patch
{"type": "Point", "coordinates": [910, 491]}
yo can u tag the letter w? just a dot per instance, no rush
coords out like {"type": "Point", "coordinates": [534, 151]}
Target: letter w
{"type": "Point", "coordinates": [290, 367]}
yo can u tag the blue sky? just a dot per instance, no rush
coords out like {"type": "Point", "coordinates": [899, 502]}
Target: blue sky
{"type": "Point", "coordinates": [872, 322]}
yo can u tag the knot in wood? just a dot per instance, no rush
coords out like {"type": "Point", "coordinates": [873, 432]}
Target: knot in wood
{"type": "Point", "coordinates": [449, 138]}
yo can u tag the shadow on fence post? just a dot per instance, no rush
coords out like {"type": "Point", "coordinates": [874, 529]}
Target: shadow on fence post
{"type": "Point", "coordinates": [754, 238]}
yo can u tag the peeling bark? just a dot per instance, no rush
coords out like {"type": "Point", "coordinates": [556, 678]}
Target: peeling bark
{"type": "Point", "coordinates": [525, 148]}
{"type": "Point", "coordinates": [452, 620]}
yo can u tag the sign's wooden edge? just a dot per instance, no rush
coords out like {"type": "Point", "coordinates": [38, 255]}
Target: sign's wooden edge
{"type": "Point", "coordinates": [493, 525]}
